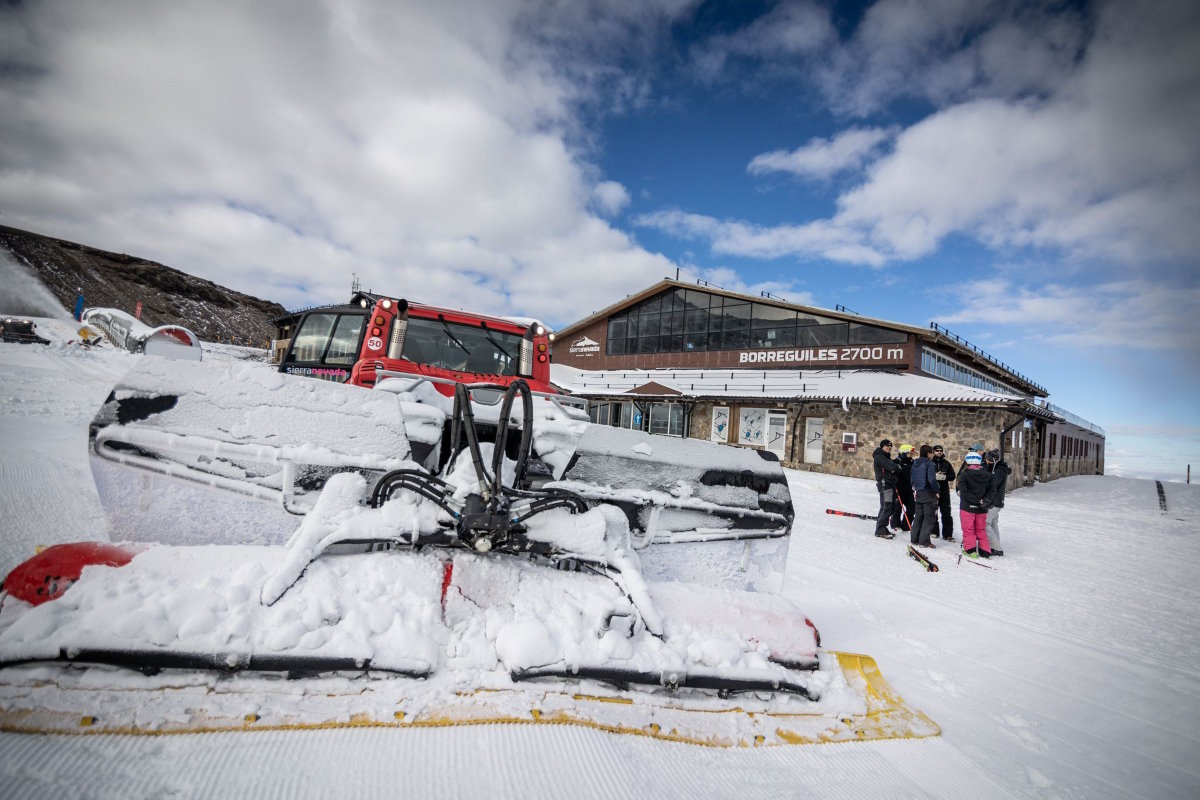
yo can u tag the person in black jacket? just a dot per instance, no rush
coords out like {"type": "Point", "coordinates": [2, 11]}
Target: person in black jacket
{"type": "Point", "coordinates": [945, 473]}
{"type": "Point", "coordinates": [886, 475]}
{"type": "Point", "coordinates": [999, 485]}
{"type": "Point", "coordinates": [926, 487]}
{"type": "Point", "coordinates": [974, 493]}
{"type": "Point", "coordinates": [906, 507]}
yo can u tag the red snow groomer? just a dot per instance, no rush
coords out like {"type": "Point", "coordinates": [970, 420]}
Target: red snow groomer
{"type": "Point", "coordinates": [366, 343]}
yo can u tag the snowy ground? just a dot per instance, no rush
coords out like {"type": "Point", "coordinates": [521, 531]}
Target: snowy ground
{"type": "Point", "coordinates": [1068, 671]}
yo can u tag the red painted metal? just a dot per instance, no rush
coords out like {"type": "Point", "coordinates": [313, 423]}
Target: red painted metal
{"type": "Point", "coordinates": [52, 571]}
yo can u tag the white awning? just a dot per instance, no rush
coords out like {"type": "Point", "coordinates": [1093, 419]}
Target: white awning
{"type": "Point", "coordinates": [845, 386]}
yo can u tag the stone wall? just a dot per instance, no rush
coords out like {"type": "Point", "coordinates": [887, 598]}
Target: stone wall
{"type": "Point", "coordinates": [1059, 464]}
{"type": "Point", "coordinates": [953, 427]}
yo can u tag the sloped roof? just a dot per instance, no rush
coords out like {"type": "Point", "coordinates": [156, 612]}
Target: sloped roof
{"type": "Point", "coordinates": [941, 336]}
{"type": "Point", "coordinates": [845, 386]}
{"type": "Point", "coordinates": [667, 283]}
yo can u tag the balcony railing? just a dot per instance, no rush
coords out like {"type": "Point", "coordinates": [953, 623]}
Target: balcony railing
{"type": "Point", "coordinates": [984, 355]}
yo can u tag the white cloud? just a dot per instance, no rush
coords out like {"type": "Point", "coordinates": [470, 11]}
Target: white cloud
{"type": "Point", "coordinates": [277, 148]}
{"type": "Point", "coordinates": [610, 197]}
{"type": "Point", "coordinates": [789, 30]}
{"type": "Point", "coordinates": [1141, 314]}
{"type": "Point", "coordinates": [949, 51]}
{"type": "Point", "coordinates": [821, 159]}
{"type": "Point", "coordinates": [1102, 166]}
{"type": "Point", "coordinates": [731, 237]}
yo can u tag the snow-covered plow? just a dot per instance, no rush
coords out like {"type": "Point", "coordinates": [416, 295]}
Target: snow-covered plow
{"type": "Point", "coordinates": [420, 560]}
{"type": "Point", "coordinates": [179, 639]}
{"type": "Point", "coordinates": [202, 453]}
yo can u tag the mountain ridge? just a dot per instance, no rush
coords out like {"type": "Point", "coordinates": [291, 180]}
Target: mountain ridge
{"type": "Point", "coordinates": [168, 295]}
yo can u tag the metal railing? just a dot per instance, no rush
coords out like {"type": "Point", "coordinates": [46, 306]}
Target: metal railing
{"type": "Point", "coordinates": [1075, 419]}
{"type": "Point", "coordinates": [984, 355]}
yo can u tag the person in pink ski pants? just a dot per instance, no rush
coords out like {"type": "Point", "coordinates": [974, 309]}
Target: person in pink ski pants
{"type": "Point", "coordinates": [974, 492]}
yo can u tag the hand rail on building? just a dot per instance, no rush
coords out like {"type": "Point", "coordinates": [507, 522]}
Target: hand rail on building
{"type": "Point", "coordinates": [1075, 419]}
{"type": "Point", "coordinates": [844, 310]}
{"type": "Point", "coordinates": [984, 355]}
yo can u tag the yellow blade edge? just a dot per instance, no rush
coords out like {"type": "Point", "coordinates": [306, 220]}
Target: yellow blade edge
{"type": "Point", "coordinates": [709, 722]}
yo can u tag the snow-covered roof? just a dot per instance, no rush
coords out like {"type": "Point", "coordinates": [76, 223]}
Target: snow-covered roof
{"type": "Point", "coordinates": [859, 386]}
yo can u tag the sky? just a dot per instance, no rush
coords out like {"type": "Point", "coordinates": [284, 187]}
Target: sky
{"type": "Point", "coordinates": [1024, 174]}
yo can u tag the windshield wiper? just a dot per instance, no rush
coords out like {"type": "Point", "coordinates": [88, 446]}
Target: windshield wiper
{"type": "Point", "coordinates": [446, 328]}
{"type": "Point", "coordinates": [483, 325]}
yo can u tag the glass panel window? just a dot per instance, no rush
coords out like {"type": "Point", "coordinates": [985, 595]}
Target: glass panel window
{"type": "Point", "coordinates": [648, 325]}
{"type": "Point", "coordinates": [617, 327]}
{"type": "Point", "coordinates": [676, 426]}
{"type": "Point", "coordinates": [821, 334]}
{"type": "Point", "coordinates": [695, 299]}
{"type": "Point", "coordinates": [666, 419]}
{"type": "Point", "coordinates": [771, 316]}
{"type": "Point", "coordinates": [309, 342]}
{"type": "Point", "coordinates": [736, 317]}
{"type": "Point", "coordinates": [734, 340]}
{"type": "Point", "coordinates": [871, 334]}
{"type": "Point", "coordinates": [343, 348]}
{"type": "Point", "coordinates": [675, 325]}
{"type": "Point", "coordinates": [773, 337]}
{"type": "Point", "coordinates": [617, 347]}
{"type": "Point", "coordinates": [659, 418]}
{"type": "Point", "coordinates": [455, 346]}
{"type": "Point", "coordinates": [625, 418]}
{"type": "Point", "coordinates": [695, 341]}
{"type": "Point", "coordinates": [696, 321]}
{"type": "Point", "coordinates": [647, 344]}
{"type": "Point", "coordinates": [653, 304]}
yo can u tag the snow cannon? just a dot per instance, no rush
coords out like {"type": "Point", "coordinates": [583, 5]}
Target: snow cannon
{"type": "Point", "coordinates": [124, 330]}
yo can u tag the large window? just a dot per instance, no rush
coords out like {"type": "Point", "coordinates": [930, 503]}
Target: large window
{"type": "Point", "coordinates": [615, 413]}
{"type": "Point", "coordinates": [327, 339]}
{"type": "Point", "coordinates": [949, 369]}
{"type": "Point", "coordinates": [685, 320]}
{"type": "Point", "coordinates": [666, 419]}
{"type": "Point", "coordinates": [662, 418]}
{"type": "Point", "coordinates": [466, 348]}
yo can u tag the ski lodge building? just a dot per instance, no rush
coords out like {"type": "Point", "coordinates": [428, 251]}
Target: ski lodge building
{"type": "Point", "coordinates": [818, 388]}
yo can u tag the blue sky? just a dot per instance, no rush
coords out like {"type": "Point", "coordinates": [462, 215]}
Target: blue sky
{"type": "Point", "coordinates": [1025, 174]}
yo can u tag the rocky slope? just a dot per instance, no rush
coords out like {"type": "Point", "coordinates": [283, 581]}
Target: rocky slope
{"type": "Point", "coordinates": [116, 280]}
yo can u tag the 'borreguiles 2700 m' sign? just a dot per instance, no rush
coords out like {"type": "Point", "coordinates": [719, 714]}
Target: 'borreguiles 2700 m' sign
{"type": "Point", "coordinates": [821, 355]}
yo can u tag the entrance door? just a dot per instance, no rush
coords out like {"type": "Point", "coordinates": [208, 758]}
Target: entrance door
{"type": "Point", "coordinates": [814, 439]}
{"type": "Point", "coordinates": [777, 432]}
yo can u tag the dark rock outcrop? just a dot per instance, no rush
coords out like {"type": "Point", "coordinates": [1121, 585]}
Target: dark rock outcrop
{"type": "Point", "coordinates": [168, 296]}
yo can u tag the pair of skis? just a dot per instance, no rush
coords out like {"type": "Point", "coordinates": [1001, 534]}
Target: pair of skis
{"type": "Point", "coordinates": [849, 514]}
{"type": "Point", "coordinates": [922, 559]}
{"type": "Point", "coordinates": [925, 561]}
